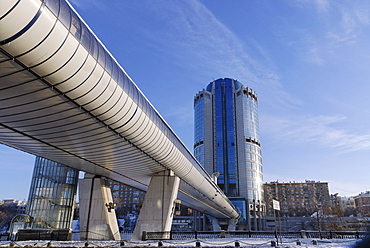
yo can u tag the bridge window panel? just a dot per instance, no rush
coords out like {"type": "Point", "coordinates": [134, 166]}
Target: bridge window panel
{"type": "Point", "coordinates": [122, 78]}
{"type": "Point", "coordinates": [85, 36]}
{"type": "Point", "coordinates": [94, 49]}
{"type": "Point", "coordinates": [46, 48]}
{"type": "Point", "coordinates": [58, 59]}
{"type": "Point", "coordinates": [34, 35]}
{"type": "Point", "coordinates": [115, 72]}
{"type": "Point", "coordinates": [148, 109]}
{"type": "Point", "coordinates": [143, 104]}
{"type": "Point", "coordinates": [102, 54]}
{"type": "Point", "coordinates": [128, 85]}
{"type": "Point", "coordinates": [139, 101]}
{"type": "Point", "coordinates": [108, 63]}
{"type": "Point", "coordinates": [160, 124]}
{"type": "Point", "coordinates": [65, 14]}
{"type": "Point", "coordinates": [134, 93]}
{"type": "Point", "coordinates": [129, 89]}
{"type": "Point", "coordinates": [53, 5]}
{"type": "Point", "coordinates": [69, 69]}
{"type": "Point", "coordinates": [75, 28]}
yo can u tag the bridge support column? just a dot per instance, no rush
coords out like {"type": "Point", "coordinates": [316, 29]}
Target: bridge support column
{"type": "Point", "coordinates": [232, 224]}
{"type": "Point", "coordinates": [97, 216]}
{"type": "Point", "coordinates": [215, 225]}
{"type": "Point", "coordinates": [157, 211]}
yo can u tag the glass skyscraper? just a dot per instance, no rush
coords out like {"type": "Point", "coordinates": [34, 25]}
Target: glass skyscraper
{"type": "Point", "coordinates": [226, 142]}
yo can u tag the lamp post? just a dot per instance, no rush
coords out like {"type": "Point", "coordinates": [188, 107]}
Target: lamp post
{"type": "Point", "coordinates": [319, 205]}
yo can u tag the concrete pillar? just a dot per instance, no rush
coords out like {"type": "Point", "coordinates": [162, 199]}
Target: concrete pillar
{"type": "Point", "coordinates": [232, 224]}
{"type": "Point", "coordinates": [215, 224]}
{"type": "Point", "coordinates": [157, 211]}
{"type": "Point", "coordinates": [97, 216]}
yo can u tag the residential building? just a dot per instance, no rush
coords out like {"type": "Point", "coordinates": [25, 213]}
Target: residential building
{"type": "Point", "coordinates": [297, 199]}
{"type": "Point", "coordinates": [18, 206]}
{"type": "Point", "coordinates": [362, 202]}
{"type": "Point", "coordinates": [128, 201]}
{"type": "Point", "coordinates": [347, 205]}
{"type": "Point", "coordinates": [227, 144]}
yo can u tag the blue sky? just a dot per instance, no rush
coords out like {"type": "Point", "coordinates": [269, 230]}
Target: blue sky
{"type": "Point", "coordinates": [308, 61]}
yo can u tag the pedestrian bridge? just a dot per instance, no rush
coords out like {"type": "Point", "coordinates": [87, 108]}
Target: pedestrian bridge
{"type": "Point", "coordinates": [64, 97]}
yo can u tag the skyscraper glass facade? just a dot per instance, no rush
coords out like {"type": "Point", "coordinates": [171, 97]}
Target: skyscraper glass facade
{"type": "Point", "coordinates": [52, 194]}
{"type": "Point", "coordinates": [226, 140]}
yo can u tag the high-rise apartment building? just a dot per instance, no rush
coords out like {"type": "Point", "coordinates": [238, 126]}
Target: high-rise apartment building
{"type": "Point", "coordinates": [227, 144]}
{"type": "Point", "coordinates": [298, 199]}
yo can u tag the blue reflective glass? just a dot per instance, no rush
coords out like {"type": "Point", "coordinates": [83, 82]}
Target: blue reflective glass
{"type": "Point", "coordinates": [94, 50]}
{"type": "Point", "coordinates": [115, 72]}
{"type": "Point", "coordinates": [53, 5]}
{"type": "Point", "coordinates": [199, 120]}
{"type": "Point", "coordinates": [65, 14]}
{"type": "Point", "coordinates": [241, 206]}
{"type": "Point", "coordinates": [108, 63]}
{"type": "Point", "coordinates": [102, 55]}
{"type": "Point", "coordinates": [85, 37]}
{"type": "Point", "coordinates": [75, 28]}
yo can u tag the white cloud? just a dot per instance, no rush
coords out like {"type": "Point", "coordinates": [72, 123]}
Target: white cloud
{"type": "Point", "coordinates": [321, 130]}
{"type": "Point", "coordinates": [202, 42]}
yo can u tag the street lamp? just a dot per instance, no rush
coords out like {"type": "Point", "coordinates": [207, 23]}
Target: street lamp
{"type": "Point", "coordinates": [319, 205]}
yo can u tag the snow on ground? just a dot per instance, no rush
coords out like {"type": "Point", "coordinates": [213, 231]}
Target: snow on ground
{"type": "Point", "coordinates": [304, 243]}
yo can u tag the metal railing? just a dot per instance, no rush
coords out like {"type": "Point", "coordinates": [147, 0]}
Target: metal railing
{"type": "Point", "coordinates": [186, 235]}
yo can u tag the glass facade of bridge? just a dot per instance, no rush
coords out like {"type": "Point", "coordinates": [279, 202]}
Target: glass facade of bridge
{"type": "Point", "coordinates": [52, 195]}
